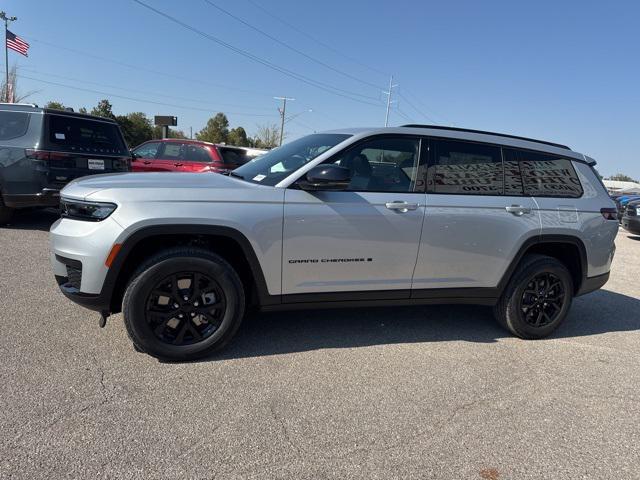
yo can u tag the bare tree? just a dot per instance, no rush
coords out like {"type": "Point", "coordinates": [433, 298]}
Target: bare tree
{"type": "Point", "coordinates": [11, 94]}
{"type": "Point", "coordinates": [267, 136]}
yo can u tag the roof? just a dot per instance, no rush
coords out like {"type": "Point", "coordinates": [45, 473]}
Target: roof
{"type": "Point", "coordinates": [32, 107]}
{"type": "Point", "coordinates": [472, 135]}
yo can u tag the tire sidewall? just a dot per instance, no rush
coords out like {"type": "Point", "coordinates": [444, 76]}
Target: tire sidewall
{"type": "Point", "coordinates": [141, 288]}
{"type": "Point", "coordinates": [515, 317]}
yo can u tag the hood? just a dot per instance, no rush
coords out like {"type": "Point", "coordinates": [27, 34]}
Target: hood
{"type": "Point", "coordinates": [155, 181]}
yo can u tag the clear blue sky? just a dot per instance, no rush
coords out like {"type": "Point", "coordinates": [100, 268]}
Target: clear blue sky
{"type": "Point", "coordinates": [565, 71]}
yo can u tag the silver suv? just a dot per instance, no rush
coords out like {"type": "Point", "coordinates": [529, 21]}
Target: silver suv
{"type": "Point", "coordinates": [395, 216]}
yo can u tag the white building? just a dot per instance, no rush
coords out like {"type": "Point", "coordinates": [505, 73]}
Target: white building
{"type": "Point", "coordinates": [618, 187]}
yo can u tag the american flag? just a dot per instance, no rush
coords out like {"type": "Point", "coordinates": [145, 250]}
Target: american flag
{"type": "Point", "coordinates": [14, 42]}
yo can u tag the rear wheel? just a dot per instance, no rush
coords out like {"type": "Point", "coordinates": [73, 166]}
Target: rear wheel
{"type": "Point", "coordinates": [183, 304]}
{"type": "Point", "coordinates": [6, 213]}
{"type": "Point", "coordinates": [537, 299]}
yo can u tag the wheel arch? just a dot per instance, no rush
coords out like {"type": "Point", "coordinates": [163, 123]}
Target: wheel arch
{"type": "Point", "coordinates": [568, 249]}
{"type": "Point", "coordinates": [227, 242]}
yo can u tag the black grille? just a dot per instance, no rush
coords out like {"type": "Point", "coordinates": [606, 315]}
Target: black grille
{"type": "Point", "coordinates": [631, 211]}
{"type": "Point", "coordinates": [75, 276]}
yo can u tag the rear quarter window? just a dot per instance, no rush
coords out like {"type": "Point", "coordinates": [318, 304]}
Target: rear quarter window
{"type": "Point", "coordinates": [13, 124]}
{"type": "Point", "coordinates": [546, 175]}
{"type": "Point", "coordinates": [82, 135]}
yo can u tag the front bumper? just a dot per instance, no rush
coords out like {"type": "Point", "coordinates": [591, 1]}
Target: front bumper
{"type": "Point", "coordinates": [79, 250]}
{"type": "Point", "coordinates": [631, 224]}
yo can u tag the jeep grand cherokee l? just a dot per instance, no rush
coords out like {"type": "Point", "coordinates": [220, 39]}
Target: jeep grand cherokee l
{"type": "Point", "coordinates": [42, 149]}
{"type": "Point", "coordinates": [394, 216]}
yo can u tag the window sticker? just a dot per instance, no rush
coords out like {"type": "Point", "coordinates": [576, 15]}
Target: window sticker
{"type": "Point", "coordinates": [59, 136]}
{"type": "Point", "coordinates": [259, 178]}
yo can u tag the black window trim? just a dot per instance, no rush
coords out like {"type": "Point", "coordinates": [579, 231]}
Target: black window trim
{"type": "Point", "coordinates": [431, 162]}
{"type": "Point", "coordinates": [334, 157]}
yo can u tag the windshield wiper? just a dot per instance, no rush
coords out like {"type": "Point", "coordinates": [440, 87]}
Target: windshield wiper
{"type": "Point", "coordinates": [233, 174]}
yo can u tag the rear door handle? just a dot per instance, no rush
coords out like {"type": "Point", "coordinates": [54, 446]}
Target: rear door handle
{"type": "Point", "coordinates": [146, 162]}
{"type": "Point", "coordinates": [401, 207]}
{"type": "Point", "coordinates": [177, 164]}
{"type": "Point", "coordinates": [517, 210]}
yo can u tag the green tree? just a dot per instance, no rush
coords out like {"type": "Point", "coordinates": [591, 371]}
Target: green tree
{"type": "Point", "coordinates": [55, 105]}
{"type": "Point", "coordinates": [238, 137]}
{"type": "Point", "coordinates": [216, 130]}
{"type": "Point", "coordinates": [621, 177]}
{"type": "Point", "coordinates": [82, 110]}
{"type": "Point", "coordinates": [103, 109]}
{"type": "Point", "coordinates": [136, 128]}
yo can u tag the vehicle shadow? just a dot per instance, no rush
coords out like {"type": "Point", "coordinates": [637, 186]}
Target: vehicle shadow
{"type": "Point", "coordinates": [634, 237]}
{"type": "Point", "coordinates": [290, 332]}
{"type": "Point", "coordinates": [33, 219]}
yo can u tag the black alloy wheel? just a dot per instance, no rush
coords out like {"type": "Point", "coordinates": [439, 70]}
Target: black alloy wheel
{"type": "Point", "coordinates": [542, 300]}
{"type": "Point", "coordinates": [185, 308]}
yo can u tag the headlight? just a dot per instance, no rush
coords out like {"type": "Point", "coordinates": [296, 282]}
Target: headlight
{"type": "Point", "coordinates": [91, 211]}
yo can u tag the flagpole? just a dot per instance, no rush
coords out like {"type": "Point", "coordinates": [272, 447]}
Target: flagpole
{"type": "Point", "coordinates": [6, 19]}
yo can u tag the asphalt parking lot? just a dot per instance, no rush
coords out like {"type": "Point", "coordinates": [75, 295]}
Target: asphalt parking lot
{"type": "Point", "coordinates": [420, 392]}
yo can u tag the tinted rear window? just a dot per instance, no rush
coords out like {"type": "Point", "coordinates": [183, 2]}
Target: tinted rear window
{"type": "Point", "coordinates": [13, 124]}
{"type": "Point", "coordinates": [84, 135]}
{"type": "Point", "coordinates": [545, 175]}
{"type": "Point", "coordinates": [195, 153]}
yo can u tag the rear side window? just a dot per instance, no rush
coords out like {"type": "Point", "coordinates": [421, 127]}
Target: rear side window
{"type": "Point", "coordinates": [235, 156]}
{"type": "Point", "coordinates": [13, 124]}
{"type": "Point", "coordinates": [172, 151]}
{"type": "Point", "coordinates": [195, 153]}
{"type": "Point", "coordinates": [465, 168]}
{"type": "Point", "coordinates": [148, 150]}
{"type": "Point", "coordinates": [84, 135]}
{"type": "Point", "coordinates": [545, 175]}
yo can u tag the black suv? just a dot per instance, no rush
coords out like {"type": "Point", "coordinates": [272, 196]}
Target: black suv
{"type": "Point", "coordinates": [631, 219]}
{"type": "Point", "coordinates": [41, 150]}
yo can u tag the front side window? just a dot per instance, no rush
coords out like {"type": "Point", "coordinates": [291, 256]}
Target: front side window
{"type": "Point", "coordinates": [148, 150]}
{"type": "Point", "coordinates": [465, 168]}
{"type": "Point", "coordinates": [279, 163]}
{"type": "Point", "coordinates": [546, 175]}
{"type": "Point", "coordinates": [386, 164]}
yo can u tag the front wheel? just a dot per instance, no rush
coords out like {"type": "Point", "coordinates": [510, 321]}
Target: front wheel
{"type": "Point", "coordinates": [183, 304]}
{"type": "Point", "coordinates": [537, 299]}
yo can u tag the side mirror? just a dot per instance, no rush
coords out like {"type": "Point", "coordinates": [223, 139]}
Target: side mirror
{"type": "Point", "coordinates": [326, 177]}
{"type": "Point", "coordinates": [134, 156]}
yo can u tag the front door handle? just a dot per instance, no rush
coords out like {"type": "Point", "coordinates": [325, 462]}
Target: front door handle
{"type": "Point", "coordinates": [517, 210]}
{"type": "Point", "coordinates": [401, 207]}
{"type": "Point", "coordinates": [146, 162]}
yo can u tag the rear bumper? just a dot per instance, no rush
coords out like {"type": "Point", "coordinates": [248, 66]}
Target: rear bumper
{"type": "Point", "coordinates": [47, 197]}
{"type": "Point", "coordinates": [631, 224]}
{"type": "Point", "coordinates": [591, 284]}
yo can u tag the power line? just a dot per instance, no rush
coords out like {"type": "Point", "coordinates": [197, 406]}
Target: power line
{"type": "Point", "coordinates": [320, 85]}
{"type": "Point", "coordinates": [293, 49]}
{"type": "Point", "coordinates": [139, 68]}
{"type": "Point", "coordinates": [418, 101]}
{"type": "Point", "coordinates": [416, 108]}
{"type": "Point", "coordinates": [319, 42]}
{"type": "Point", "coordinates": [132, 90]}
{"type": "Point", "coordinates": [140, 100]}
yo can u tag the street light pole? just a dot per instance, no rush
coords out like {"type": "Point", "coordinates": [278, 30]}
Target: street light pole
{"type": "Point", "coordinates": [282, 114]}
{"type": "Point", "coordinates": [6, 19]}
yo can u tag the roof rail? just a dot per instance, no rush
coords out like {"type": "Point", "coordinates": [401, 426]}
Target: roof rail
{"type": "Point", "coordinates": [18, 103]}
{"type": "Point", "coordinates": [457, 129]}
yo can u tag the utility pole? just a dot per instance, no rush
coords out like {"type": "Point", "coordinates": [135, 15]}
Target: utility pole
{"type": "Point", "coordinates": [6, 19]}
{"type": "Point", "coordinates": [389, 102]}
{"type": "Point", "coordinates": [282, 111]}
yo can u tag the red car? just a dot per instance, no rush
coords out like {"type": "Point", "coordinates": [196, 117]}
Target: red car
{"type": "Point", "coordinates": [178, 155]}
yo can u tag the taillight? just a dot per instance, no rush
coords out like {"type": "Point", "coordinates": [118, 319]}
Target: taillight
{"type": "Point", "coordinates": [37, 154]}
{"type": "Point", "coordinates": [609, 213]}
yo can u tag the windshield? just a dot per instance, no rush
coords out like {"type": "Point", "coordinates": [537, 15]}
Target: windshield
{"type": "Point", "coordinates": [274, 166]}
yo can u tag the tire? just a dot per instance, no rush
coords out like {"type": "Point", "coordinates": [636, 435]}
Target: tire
{"type": "Point", "coordinates": [6, 213]}
{"type": "Point", "coordinates": [514, 310]}
{"type": "Point", "coordinates": [174, 322]}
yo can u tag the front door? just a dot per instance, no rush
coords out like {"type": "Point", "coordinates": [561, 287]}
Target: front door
{"type": "Point", "coordinates": [362, 239]}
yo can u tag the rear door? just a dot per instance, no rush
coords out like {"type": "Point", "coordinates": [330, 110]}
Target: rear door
{"type": "Point", "coordinates": [476, 217]}
{"type": "Point", "coordinates": [80, 146]}
{"type": "Point", "coordinates": [170, 157]}
{"type": "Point", "coordinates": [196, 159]}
